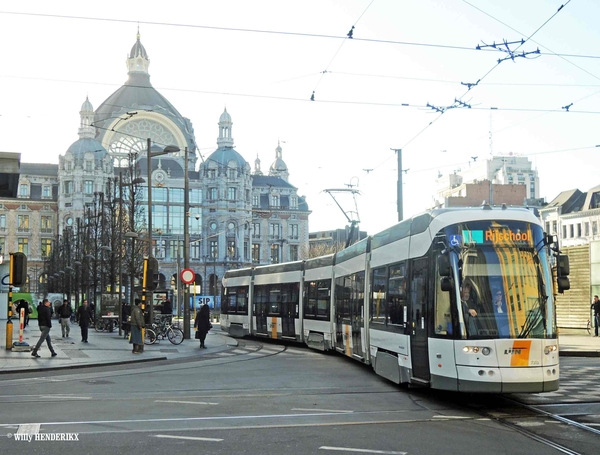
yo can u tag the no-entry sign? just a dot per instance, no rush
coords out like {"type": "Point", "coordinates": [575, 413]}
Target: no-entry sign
{"type": "Point", "coordinates": [188, 276]}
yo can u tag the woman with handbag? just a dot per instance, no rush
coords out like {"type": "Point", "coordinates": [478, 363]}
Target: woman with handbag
{"type": "Point", "coordinates": [202, 324]}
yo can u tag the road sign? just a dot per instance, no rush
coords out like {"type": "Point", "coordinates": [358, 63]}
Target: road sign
{"type": "Point", "coordinates": [188, 276]}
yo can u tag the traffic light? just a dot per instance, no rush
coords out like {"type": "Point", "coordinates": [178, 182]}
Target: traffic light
{"type": "Point", "coordinates": [150, 274]}
{"type": "Point", "coordinates": [18, 269]}
{"type": "Point", "coordinates": [562, 273]}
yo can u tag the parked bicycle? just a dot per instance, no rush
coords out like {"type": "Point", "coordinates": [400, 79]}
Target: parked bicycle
{"type": "Point", "coordinates": [163, 328]}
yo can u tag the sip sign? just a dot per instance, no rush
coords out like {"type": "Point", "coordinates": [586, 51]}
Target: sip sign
{"type": "Point", "coordinates": [187, 276]}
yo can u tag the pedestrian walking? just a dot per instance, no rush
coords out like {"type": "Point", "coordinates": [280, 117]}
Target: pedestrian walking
{"type": "Point", "coordinates": [596, 310]}
{"type": "Point", "coordinates": [84, 317]}
{"type": "Point", "coordinates": [125, 313]}
{"type": "Point", "coordinates": [202, 324]}
{"type": "Point", "coordinates": [45, 323]}
{"type": "Point", "coordinates": [137, 324]}
{"type": "Point", "coordinates": [64, 316]}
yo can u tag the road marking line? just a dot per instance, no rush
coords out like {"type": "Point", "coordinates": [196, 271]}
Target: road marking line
{"type": "Point", "coordinates": [185, 402]}
{"type": "Point", "coordinates": [451, 417]}
{"type": "Point", "coordinates": [31, 428]}
{"type": "Point", "coordinates": [321, 410]}
{"type": "Point", "coordinates": [348, 449]}
{"type": "Point", "coordinates": [189, 438]}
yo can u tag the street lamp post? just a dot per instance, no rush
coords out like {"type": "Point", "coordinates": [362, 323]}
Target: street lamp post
{"type": "Point", "coordinates": [168, 149]}
{"type": "Point", "coordinates": [186, 248]}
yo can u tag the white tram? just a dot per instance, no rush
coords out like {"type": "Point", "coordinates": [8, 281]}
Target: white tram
{"type": "Point", "coordinates": [453, 299]}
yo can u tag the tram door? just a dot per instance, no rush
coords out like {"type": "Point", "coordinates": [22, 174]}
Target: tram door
{"type": "Point", "coordinates": [290, 294]}
{"type": "Point", "coordinates": [342, 313]}
{"type": "Point", "coordinates": [260, 308]}
{"type": "Point", "coordinates": [349, 316]}
{"type": "Point", "coordinates": [419, 320]}
{"type": "Point", "coordinates": [357, 311]}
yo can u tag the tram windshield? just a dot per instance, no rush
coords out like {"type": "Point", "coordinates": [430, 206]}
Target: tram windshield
{"type": "Point", "coordinates": [505, 280]}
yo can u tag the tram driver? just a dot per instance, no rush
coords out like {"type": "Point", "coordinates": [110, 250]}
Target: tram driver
{"type": "Point", "coordinates": [469, 312]}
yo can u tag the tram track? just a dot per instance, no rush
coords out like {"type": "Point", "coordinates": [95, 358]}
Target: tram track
{"type": "Point", "coordinates": [572, 437]}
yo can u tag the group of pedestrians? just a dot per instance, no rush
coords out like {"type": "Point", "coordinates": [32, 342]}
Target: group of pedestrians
{"type": "Point", "coordinates": [133, 322]}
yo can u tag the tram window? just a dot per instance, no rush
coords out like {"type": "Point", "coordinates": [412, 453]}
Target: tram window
{"type": "Point", "coordinates": [378, 296]}
{"type": "Point", "coordinates": [396, 301]}
{"type": "Point", "coordinates": [310, 305]}
{"type": "Point", "coordinates": [236, 300]}
{"type": "Point", "coordinates": [443, 319]}
{"type": "Point", "coordinates": [323, 297]}
{"type": "Point", "coordinates": [418, 292]}
{"type": "Point", "coordinates": [274, 301]}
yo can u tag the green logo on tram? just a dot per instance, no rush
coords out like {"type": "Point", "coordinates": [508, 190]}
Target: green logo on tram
{"type": "Point", "coordinates": [473, 236]}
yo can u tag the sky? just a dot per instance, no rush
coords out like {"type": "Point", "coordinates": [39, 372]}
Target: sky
{"type": "Point", "coordinates": [263, 59]}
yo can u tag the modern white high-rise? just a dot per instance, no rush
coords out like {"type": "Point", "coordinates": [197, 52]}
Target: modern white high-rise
{"type": "Point", "coordinates": [499, 170]}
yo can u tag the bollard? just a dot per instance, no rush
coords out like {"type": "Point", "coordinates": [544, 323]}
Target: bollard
{"type": "Point", "coordinates": [21, 346]}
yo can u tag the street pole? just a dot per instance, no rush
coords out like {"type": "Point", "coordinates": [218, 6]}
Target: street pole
{"type": "Point", "coordinates": [149, 166]}
{"type": "Point", "coordinates": [186, 247]}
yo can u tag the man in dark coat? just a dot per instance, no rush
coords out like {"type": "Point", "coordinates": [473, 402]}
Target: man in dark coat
{"type": "Point", "coordinates": [45, 323]}
{"type": "Point", "coordinates": [202, 323]}
{"type": "Point", "coordinates": [84, 317]}
{"type": "Point", "coordinates": [64, 316]}
{"type": "Point", "coordinates": [137, 324]}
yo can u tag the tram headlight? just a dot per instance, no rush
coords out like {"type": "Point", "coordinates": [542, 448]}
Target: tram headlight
{"type": "Point", "coordinates": [550, 348]}
{"type": "Point", "coordinates": [476, 350]}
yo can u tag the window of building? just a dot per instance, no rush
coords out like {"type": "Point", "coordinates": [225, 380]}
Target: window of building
{"type": "Point", "coordinates": [175, 249]}
{"type": "Point", "coordinates": [212, 173]}
{"type": "Point", "coordinates": [554, 227]}
{"type": "Point", "coordinates": [231, 173]}
{"type": "Point", "coordinates": [195, 196]}
{"type": "Point", "coordinates": [211, 194]}
{"type": "Point", "coordinates": [293, 202]}
{"type": "Point", "coordinates": [46, 191]}
{"type": "Point", "coordinates": [274, 200]}
{"type": "Point", "coordinates": [89, 165]}
{"type": "Point", "coordinates": [46, 247]}
{"type": "Point", "coordinates": [23, 221]}
{"type": "Point", "coordinates": [231, 193]}
{"type": "Point", "coordinates": [46, 223]}
{"type": "Point", "coordinates": [195, 250]}
{"type": "Point", "coordinates": [88, 187]}
{"type": "Point", "coordinates": [293, 231]}
{"type": "Point", "coordinates": [256, 253]}
{"type": "Point", "coordinates": [547, 226]}
{"type": "Point", "coordinates": [23, 245]}
{"type": "Point", "coordinates": [594, 227]}
{"type": "Point", "coordinates": [2, 222]}
{"type": "Point", "coordinates": [246, 250]}
{"type": "Point", "coordinates": [176, 195]}
{"type": "Point", "coordinates": [571, 230]}
{"type": "Point", "coordinates": [293, 252]}
{"type": "Point", "coordinates": [3, 246]}
{"type": "Point", "coordinates": [256, 230]}
{"type": "Point", "coordinates": [564, 229]}
{"type": "Point", "coordinates": [214, 249]}
{"type": "Point", "coordinates": [256, 200]}
{"type": "Point", "coordinates": [23, 190]}
{"type": "Point", "coordinates": [68, 187]}
{"type": "Point", "coordinates": [274, 230]}
{"type": "Point", "coordinates": [586, 229]}
{"type": "Point", "coordinates": [231, 248]}
{"type": "Point", "coordinates": [578, 229]}
{"type": "Point", "coordinates": [275, 253]}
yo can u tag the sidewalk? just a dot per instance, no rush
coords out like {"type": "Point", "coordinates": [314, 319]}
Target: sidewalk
{"type": "Point", "coordinates": [103, 348]}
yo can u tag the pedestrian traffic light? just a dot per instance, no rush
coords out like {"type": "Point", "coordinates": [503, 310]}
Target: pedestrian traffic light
{"type": "Point", "coordinates": [150, 272]}
{"type": "Point", "coordinates": [562, 273]}
{"type": "Point", "coordinates": [18, 269]}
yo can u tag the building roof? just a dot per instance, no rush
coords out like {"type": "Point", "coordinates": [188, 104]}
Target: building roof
{"type": "Point", "coordinates": [50, 170]}
{"type": "Point", "coordinates": [568, 201]}
{"type": "Point", "coordinates": [224, 155]}
{"type": "Point", "coordinates": [270, 180]}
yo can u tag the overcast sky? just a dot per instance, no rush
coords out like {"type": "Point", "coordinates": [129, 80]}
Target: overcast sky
{"type": "Point", "coordinates": [263, 59]}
